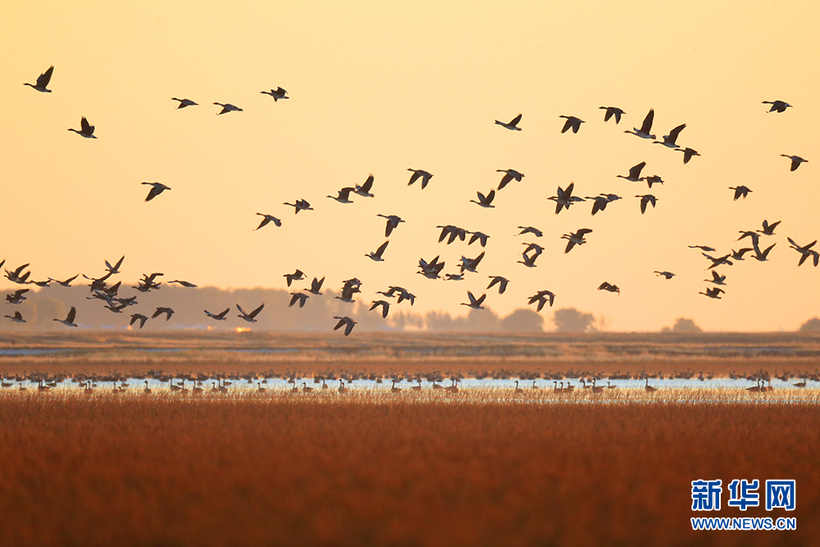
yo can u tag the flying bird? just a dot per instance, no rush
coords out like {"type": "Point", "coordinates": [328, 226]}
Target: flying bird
{"type": "Point", "coordinates": [485, 201]}
{"type": "Point", "coordinates": [474, 303]}
{"type": "Point", "coordinates": [646, 127]}
{"type": "Point", "coordinates": [316, 286]}
{"type": "Point", "coordinates": [345, 321]}
{"type": "Point", "coordinates": [768, 229]}
{"type": "Point", "coordinates": [218, 316]}
{"type": "Point", "coordinates": [300, 205]}
{"type": "Point", "coordinates": [713, 292]}
{"type": "Point", "coordinates": [509, 176]}
{"type": "Point", "coordinates": [664, 274]}
{"type": "Point", "coordinates": [69, 320]}
{"type": "Point", "coordinates": [669, 140]}
{"type": "Point", "coordinates": [385, 305]}
{"type": "Point", "coordinates": [571, 123]}
{"type": "Point", "coordinates": [778, 105]}
{"type": "Point", "coordinates": [115, 269]}
{"type": "Point", "coordinates": [740, 191]}
{"type": "Point", "coordinates": [612, 111]}
{"type": "Point", "coordinates": [600, 201]}
{"type": "Point", "coordinates": [542, 297]}
{"type": "Point", "coordinates": [186, 284]}
{"type": "Point", "coordinates": [481, 237]}
{"type": "Point", "coordinates": [42, 81]}
{"type": "Point", "coordinates": [470, 264]}
{"type": "Point", "coordinates": [266, 219]}
{"type": "Point", "coordinates": [249, 317]}
{"type": "Point", "coordinates": [162, 309]}
{"type": "Point", "coordinates": [575, 238]}
{"type": "Point", "coordinates": [277, 94]}
{"type": "Point", "coordinates": [717, 279]}
{"type": "Point", "coordinates": [606, 286]}
{"type": "Point", "coordinates": [805, 251]}
{"type": "Point", "coordinates": [687, 154]}
{"type": "Point", "coordinates": [564, 198]}
{"type": "Point", "coordinates": [376, 255]}
{"type": "Point", "coordinates": [65, 283]}
{"type": "Point", "coordinates": [183, 103]}
{"type": "Point", "coordinates": [500, 281]}
{"type": "Point", "coordinates": [364, 189]}
{"type": "Point", "coordinates": [298, 275]}
{"type": "Point", "coordinates": [227, 107]}
{"type": "Point", "coordinates": [393, 222]}
{"type": "Point", "coordinates": [512, 124]}
{"type": "Point", "coordinates": [796, 161]}
{"type": "Point", "coordinates": [138, 317]}
{"type": "Point", "coordinates": [420, 173]}
{"type": "Point", "coordinates": [645, 200]}
{"type": "Point", "coordinates": [17, 296]}
{"type": "Point", "coordinates": [16, 318]}
{"type": "Point", "coordinates": [86, 129]}
{"type": "Point", "coordinates": [634, 173]}
{"type": "Point", "coordinates": [530, 230]}
{"type": "Point", "coordinates": [156, 189]}
{"type": "Point", "coordinates": [298, 297]}
{"type": "Point", "coordinates": [653, 179]}
{"type": "Point", "coordinates": [344, 195]}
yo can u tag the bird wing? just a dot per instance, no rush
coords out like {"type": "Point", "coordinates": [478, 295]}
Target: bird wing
{"type": "Point", "coordinates": [45, 77]}
{"type": "Point", "coordinates": [72, 313]}
{"type": "Point", "coordinates": [673, 135]}
{"type": "Point", "coordinates": [646, 126]}
{"type": "Point", "coordinates": [85, 126]}
{"type": "Point", "coordinates": [515, 120]}
{"type": "Point", "coordinates": [413, 177]}
{"type": "Point", "coordinates": [381, 248]}
{"type": "Point", "coordinates": [368, 184]}
{"type": "Point", "coordinates": [635, 172]}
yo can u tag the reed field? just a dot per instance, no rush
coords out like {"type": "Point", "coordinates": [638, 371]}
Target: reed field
{"type": "Point", "coordinates": [479, 466]}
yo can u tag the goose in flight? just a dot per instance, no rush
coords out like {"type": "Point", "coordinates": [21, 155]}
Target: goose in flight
{"type": "Point", "coordinates": [393, 222]}
{"type": "Point", "coordinates": [385, 305]}
{"type": "Point", "coordinates": [664, 274]}
{"type": "Point", "coordinates": [533, 248]}
{"type": "Point", "coordinates": [316, 286]}
{"type": "Point", "coordinates": [669, 140]}
{"type": "Point", "coordinates": [654, 179]}
{"type": "Point", "coordinates": [266, 219]}
{"type": "Point", "coordinates": [738, 255]}
{"type": "Point", "coordinates": [298, 297]}
{"type": "Point", "coordinates": [778, 105]}
{"type": "Point", "coordinates": [572, 122]}
{"type": "Point", "coordinates": [646, 127]}
{"type": "Point", "coordinates": [500, 281]}
{"type": "Point", "coordinates": [298, 275]}
{"type": "Point", "coordinates": [277, 94]}
{"type": "Point", "coordinates": [376, 255]}
{"type": "Point", "coordinates": [17, 296]}
{"type": "Point", "coordinates": [542, 297]}
{"type": "Point", "coordinates": [705, 248]}
{"type": "Point", "coordinates": [717, 279]}
{"type": "Point", "coordinates": [249, 317]}
{"type": "Point", "coordinates": [470, 264]}
{"type": "Point", "coordinates": [612, 111]}
{"type": "Point", "coordinates": [345, 321]}
{"type": "Point", "coordinates": [600, 201]}
{"type": "Point", "coordinates": [717, 261]}
{"type": "Point", "coordinates": [451, 233]}
{"type": "Point", "coordinates": [186, 284]}
{"type": "Point", "coordinates": [509, 176]}
{"type": "Point", "coordinates": [364, 189]}
{"type": "Point", "coordinates": [162, 309]}
{"type": "Point", "coordinates": [227, 107]}
{"type": "Point", "coordinates": [512, 124]}
{"type": "Point", "coordinates": [634, 173]}
{"type": "Point", "coordinates": [183, 103]}
{"type": "Point", "coordinates": [42, 81]}
{"type": "Point", "coordinates": [432, 269]}
{"type": "Point", "coordinates": [419, 173]}
{"type": "Point", "coordinates": [64, 283]}
{"type": "Point", "coordinates": [344, 195]}
{"type": "Point", "coordinates": [762, 256]}
{"type": "Point", "coordinates": [86, 129]}
{"type": "Point", "coordinates": [69, 320]}
{"type": "Point", "coordinates": [805, 251]}
{"type": "Point", "coordinates": [485, 201]}
{"type": "Point", "coordinates": [575, 238]}
{"type": "Point", "coordinates": [687, 154]}
{"type": "Point", "coordinates": [474, 303]}
{"type": "Point", "coordinates": [156, 189]}
{"type": "Point", "coordinates": [528, 260]}
{"type": "Point", "coordinates": [530, 230]}
{"type": "Point", "coordinates": [796, 161]}
{"type": "Point", "coordinates": [454, 277]}
{"type": "Point", "coordinates": [564, 198]}
{"type": "Point", "coordinates": [606, 286]}
{"type": "Point", "coordinates": [300, 205]}
{"type": "Point", "coordinates": [16, 318]}
{"type": "Point", "coordinates": [138, 317]}
{"type": "Point", "coordinates": [768, 229]}
{"type": "Point", "coordinates": [218, 316]}
{"type": "Point", "coordinates": [740, 191]}
{"type": "Point", "coordinates": [115, 269]}
{"type": "Point", "coordinates": [17, 275]}
{"type": "Point", "coordinates": [645, 200]}
{"type": "Point", "coordinates": [481, 237]}
{"type": "Point", "coordinates": [713, 292]}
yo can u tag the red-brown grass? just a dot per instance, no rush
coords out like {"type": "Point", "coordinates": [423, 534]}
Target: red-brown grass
{"type": "Point", "coordinates": [391, 470]}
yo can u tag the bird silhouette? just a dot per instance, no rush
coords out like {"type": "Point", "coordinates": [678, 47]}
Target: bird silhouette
{"type": "Point", "coordinates": [86, 129]}
{"type": "Point", "coordinates": [512, 125]}
{"type": "Point", "coordinates": [249, 317]}
{"type": "Point", "coordinates": [420, 173]}
{"type": "Point", "coordinates": [277, 94]}
{"type": "Point", "coordinates": [571, 123]}
{"type": "Point", "coordinates": [266, 219]}
{"type": "Point", "coordinates": [796, 161]}
{"type": "Point", "coordinates": [69, 320]}
{"type": "Point", "coordinates": [227, 107]}
{"type": "Point", "coordinates": [156, 189]}
{"type": "Point", "coordinates": [646, 127]}
{"type": "Point", "coordinates": [184, 103]}
{"type": "Point", "coordinates": [376, 255]}
{"type": "Point", "coordinates": [778, 105]}
{"type": "Point", "coordinates": [612, 111]}
{"type": "Point", "coordinates": [42, 81]}
{"type": "Point", "coordinates": [474, 303]}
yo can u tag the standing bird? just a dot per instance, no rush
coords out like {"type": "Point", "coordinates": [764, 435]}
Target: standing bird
{"type": "Point", "coordinates": [572, 122]}
{"type": "Point", "coordinates": [612, 111]}
{"type": "Point", "coordinates": [419, 173]}
{"type": "Point", "coordinates": [156, 189]}
{"type": "Point", "coordinates": [267, 219]}
{"type": "Point", "coordinates": [512, 125]}
{"type": "Point", "coordinates": [646, 127]}
{"type": "Point", "coordinates": [277, 94]}
{"type": "Point", "coordinates": [227, 107]}
{"type": "Point", "coordinates": [669, 140]}
{"type": "Point", "coordinates": [86, 129]}
{"type": "Point", "coordinates": [249, 317]}
{"type": "Point", "coordinates": [42, 81]}
{"type": "Point", "coordinates": [69, 320]}
{"type": "Point", "coordinates": [778, 105]}
{"type": "Point", "coordinates": [184, 102]}
{"type": "Point", "coordinates": [796, 161]}
{"type": "Point", "coordinates": [376, 255]}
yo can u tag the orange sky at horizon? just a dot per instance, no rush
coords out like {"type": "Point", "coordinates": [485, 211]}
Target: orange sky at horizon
{"type": "Point", "coordinates": [380, 87]}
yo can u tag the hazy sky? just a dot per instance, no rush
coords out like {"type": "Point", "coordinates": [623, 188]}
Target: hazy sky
{"type": "Point", "coordinates": [380, 87]}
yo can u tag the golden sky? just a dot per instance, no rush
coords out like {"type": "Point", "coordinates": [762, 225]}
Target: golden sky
{"type": "Point", "coordinates": [380, 87]}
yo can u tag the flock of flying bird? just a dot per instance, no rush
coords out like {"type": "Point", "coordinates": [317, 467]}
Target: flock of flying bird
{"type": "Point", "coordinates": [433, 269]}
